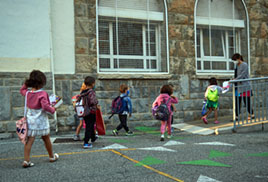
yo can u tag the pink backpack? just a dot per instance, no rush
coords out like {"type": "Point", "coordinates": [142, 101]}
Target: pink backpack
{"type": "Point", "coordinates": [21, 125]}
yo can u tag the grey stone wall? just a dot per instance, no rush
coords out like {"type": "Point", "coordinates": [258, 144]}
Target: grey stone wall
{"type": "Point", "coordinates": [189, 87]}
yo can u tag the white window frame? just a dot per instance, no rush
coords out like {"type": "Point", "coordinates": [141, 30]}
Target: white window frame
{"type": "Point", "coordinates": [214, 22]}
{"type": "Point", "coordinates": [153, 16]}
{"type": "Point", "coordinates": [225, 58]}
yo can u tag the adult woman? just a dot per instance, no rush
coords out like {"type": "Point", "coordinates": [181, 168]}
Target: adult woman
{"type": "Point", "coordinates": [243, 89]}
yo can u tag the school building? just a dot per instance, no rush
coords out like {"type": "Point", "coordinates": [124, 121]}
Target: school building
{"type": "Point", "coordinates": [142, 43]}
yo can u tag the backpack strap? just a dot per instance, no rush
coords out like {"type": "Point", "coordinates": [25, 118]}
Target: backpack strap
{"type": "Point", "coordinates": [25, 104]}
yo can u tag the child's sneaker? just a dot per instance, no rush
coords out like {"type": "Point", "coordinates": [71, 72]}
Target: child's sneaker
{"type": "Point", "coordinates": [205, 120]}
{"type": "Point", "coordinates": [76, 138]}
{"type": "Point", "coordinates": [129, 133]}
{"type": "Point", "coordinates": [87, 145]}
{"type": "Point", "coordinates": [96, 137]}
{"type": "Point", "coordinates": [216, 122]}
{"type": "Point", "coordinates": [115, 133]}
{"type": "Point", "coordinates": [162, 138]}
{"type": "Point", "coordinates": [169, 136]}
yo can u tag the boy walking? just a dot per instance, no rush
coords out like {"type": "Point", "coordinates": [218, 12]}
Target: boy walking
{"type": "Point", "coordinates": [124, 110]}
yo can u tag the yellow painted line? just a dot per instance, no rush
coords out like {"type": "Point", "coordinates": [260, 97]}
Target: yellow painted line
{"type": "Point", "coordinates": [128, 149]}
{"type": "Point", "coordinates": [148, 167]}
{"type": "Point", "coordinates": [231, 124]}
{"type": "Point", "coordinates": [60, 154]}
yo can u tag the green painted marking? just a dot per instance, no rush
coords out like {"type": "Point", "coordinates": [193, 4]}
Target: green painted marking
{"type": "Point", "coordinates": [264, 154]}
{"type": "Point", "coordinates": [145, 128]}
{"type": "Point", "coordinates": [120, 141]}
{"type": "Point", "coordinates": [205, 163]}
{"type": "Point", "coordinates": [150, 161]}
{"type": "Point", "coordinates": [215, 153]}
{"type": "Point", "coordinates": [177, 138]}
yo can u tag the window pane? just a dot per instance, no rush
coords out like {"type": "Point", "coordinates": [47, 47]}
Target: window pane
{"type": "Point", "coordinates": [151, 42]}
{"type": "Point", "coordinates": [129, 38]}
{"type": "Point", "coordinates": [199, 65]}
{"type": "Point", "coordinates": [231, 66]}
{"type": "Point", "coordinates": [153, 64]}
{"type": "Point", "coordinates": [104, 63]}
{"type": "Point", "coordinates": [152, 49]}
{"type": "Point", "coordinates": [129, 63]}
{"type": "Point", "coordinates": [231, 52]}
{"type": "Point", "coordinates": [219, 65]}
{"type": "Point", "coordinates": [206, 42]}
{"type": "Point", "coordinates": [104, 46]}
{"type": "Point", "coordinates": [216, 43]}
{"type": "Point", "coordinates": [198, 52]}
{"type": "Point", "coordinates": [206, 65]}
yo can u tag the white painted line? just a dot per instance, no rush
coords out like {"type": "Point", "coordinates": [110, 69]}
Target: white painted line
{"type": "Point", "coordinates": [215, 143]}
{"type": "Point", "coordinates": [193, 129]}
{"type": "Point", "coordinates": [258, 176]}
{"type": "Point", "coordinates": [115, 146]}
{"type": "Point", "coordinates": [172, 142]}
{"type": "Point", "coordinates": [157, 149]}
{"type": "Point", "coordinates": [206, 179]}
{"type": "Point", "coordinates": [52, 139]}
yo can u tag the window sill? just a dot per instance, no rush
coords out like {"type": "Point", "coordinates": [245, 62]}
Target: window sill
{"type": "Point", "coordinates": [134, 76]}
{"type": "Point", "coordinates": [207, 76]}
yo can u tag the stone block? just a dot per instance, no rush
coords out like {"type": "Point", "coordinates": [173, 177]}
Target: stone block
{"type": "Point", "coordinates": [76, 85]}
{"type": "Point", "coordinates": [106, 94]}
{"type": "Point", "coordinates": [140, 105]}
{"type": "Point", "coordinates": [12, 82]}
{"type": "Point", "coordinates": [105, 105]}
{"type": "Point", "coordinates": [2, 127]}
{"type": "Point", "coordinates": [86, 64]}
{"type": "Point", "coordinates": [6, 136]}
{"type": "Point", "coordinates": [134, 117]}
{"type": "Point", "coordinates": [81, 45]}
{"type": "Point", "coordinates": [11, 126]}
{"type": "Point", "coordinates": [1, 82]}
{"type": "Point", "coordinates": [92, 10]}
{"type": "Point", "coordinates": [81, 10]}
{"type": "Point", "coordinates": [61, 122]}
{"type": "Point", "coordinates": [17, 100]}
{"type": "Point", "coordinates": [5, 106]}
{"type": "Point", "coordinates": [17, 113]}
{"type": "Point", "coordinates": [70, 121]}
{"type": "Point", "coordinates": [196, 95]}
{"type": "Point", "coordinates": [85, 28]}
{"type": "Point", "coordinates": [261, 47]}
{"type": "Point", "coordinates": [184, 85]}
{"type": "Point", "coordinates": [66, 92]}
{"type": "Point", "coordinates": [189, 116]}
{"type": "Point", "coordinates": [135, 92]}
{"type": "Point", "coordinates": [195, 86]}
{"type": "Point", "coordinates": [58, 85]}
{"type": "Point", "coordinates": [145, 92]}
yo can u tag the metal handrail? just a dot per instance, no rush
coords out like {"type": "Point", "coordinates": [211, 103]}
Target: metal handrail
{"type": "Point", "coordinates": [249, 79]}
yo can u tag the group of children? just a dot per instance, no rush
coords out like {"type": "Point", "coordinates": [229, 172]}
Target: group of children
{"type": "Point", "coordinates": [38, 105]}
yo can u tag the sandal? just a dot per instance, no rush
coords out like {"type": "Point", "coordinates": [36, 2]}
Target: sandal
{"type": "Point", "coordinates": [55, 158]}
{"type": "Point", "coordinates": [26, 164]}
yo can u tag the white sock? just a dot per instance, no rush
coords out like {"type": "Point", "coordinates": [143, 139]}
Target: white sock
{"type": "Point", "coordinates": [162, 136]}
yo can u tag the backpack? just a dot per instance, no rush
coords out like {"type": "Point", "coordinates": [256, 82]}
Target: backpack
{"type": "Point", "coordinates": [161, 112]}
{"type": "Point", "coordinates": [117, 105]}
{"type": "Point", "coordinates": [213, 95]}
{"type": "Point", "coordinates": [81, 106]}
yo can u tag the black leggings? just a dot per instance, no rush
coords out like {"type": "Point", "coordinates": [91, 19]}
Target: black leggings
{"type": "Point", "coordinates": [123, 123]}
{"type": "Point", "coordinates": [246, 102]}
{"type": "Point", "coordinates": [90, 121]}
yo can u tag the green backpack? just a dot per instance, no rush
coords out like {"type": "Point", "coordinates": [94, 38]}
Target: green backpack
{"type": "Point", "coordinates": [213, 95]}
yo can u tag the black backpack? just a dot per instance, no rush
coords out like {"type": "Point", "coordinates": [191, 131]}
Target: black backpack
{"type": "Point", "coordinates": [162, 112]}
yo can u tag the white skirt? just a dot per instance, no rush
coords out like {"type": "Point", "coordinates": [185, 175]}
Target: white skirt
{"type": "Point", "coordinates": [38, 123]}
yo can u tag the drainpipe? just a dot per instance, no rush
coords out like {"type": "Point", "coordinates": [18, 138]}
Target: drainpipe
{"type": "Point", "coordinates": [52, 60]}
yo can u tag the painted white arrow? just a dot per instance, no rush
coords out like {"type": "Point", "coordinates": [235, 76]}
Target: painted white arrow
{"type": "Point", "coordinates": [157, 149]}
{"type": "Point", "coordinates": [172, 142]}
{"type": "Point", "coordinates": [115, 146]}
{"type": "Point", "coordinates": [206, 179]}
{"type": "Point", "coordinates": [215, 143]}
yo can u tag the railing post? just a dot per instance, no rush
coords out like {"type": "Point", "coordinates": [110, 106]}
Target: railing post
{"type": "Point", "coordinates": [234, 128]}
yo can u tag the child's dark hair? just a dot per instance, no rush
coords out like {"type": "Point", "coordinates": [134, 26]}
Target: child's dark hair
{"type": "Point", "coordinates": [123, 88]}
{"type": "Point", "coordinates": [36, 80]}
{"type": "Point", "coordinates": [213, 81]}
{"type": "Point", "coordinates": [166, 89]}
{"type": "Point", "coordinates": [89, 81]}
{"type": "Point", "coordinates": [237, 56]}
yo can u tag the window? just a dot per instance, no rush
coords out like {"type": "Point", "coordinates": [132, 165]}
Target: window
{"type": "Point", "coordinates": [132, 36]}
{"type": "Point", "coordinates": [220, 32]}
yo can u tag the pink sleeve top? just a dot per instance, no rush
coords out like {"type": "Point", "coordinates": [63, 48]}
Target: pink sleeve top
{"type": "Point", "coordinates": [165, 97]}
{"type": "Point", "coordinates": [37, 99]}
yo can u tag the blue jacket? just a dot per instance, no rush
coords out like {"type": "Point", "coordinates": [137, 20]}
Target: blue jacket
{"type": "Point", "coordinates": [127, 105]}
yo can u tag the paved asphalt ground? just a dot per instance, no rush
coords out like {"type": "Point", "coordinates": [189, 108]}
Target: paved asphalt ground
{"type": "Point", "coordinates": [143, 157]}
